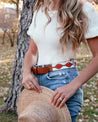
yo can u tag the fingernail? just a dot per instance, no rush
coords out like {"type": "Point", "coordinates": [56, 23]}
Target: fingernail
{"type": "Point", "coordinates": [39, 91]}
{"type": "Point", "coordinates": [52, 104]}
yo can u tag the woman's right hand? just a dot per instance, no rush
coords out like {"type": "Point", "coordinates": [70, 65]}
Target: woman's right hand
{"type": "Point", "coordinates": [30, 82]}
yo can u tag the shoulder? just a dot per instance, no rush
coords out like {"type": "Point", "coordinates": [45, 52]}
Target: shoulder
{"type": "Point", "coordinates": [38, 13]}
{"type": "Point", "coordinates": [39, 10]}
{"type": "Point", "coordinates": [92, 16]}
{"type": "Point", "coordinates": [90, 11]}
{"type": "Point", "coordinates": [88, 7]}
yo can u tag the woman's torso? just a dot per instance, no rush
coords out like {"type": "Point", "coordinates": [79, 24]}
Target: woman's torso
{"type": "Point", "coordinates": [47, 39]}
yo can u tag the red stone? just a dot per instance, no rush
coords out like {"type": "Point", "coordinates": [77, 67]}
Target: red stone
{"type": "Point", "coordinates": [75, 63]}
{"type": "Point", "coordinates": [68, 64]}
{"type": "Point", "coordinates": [58, 66]}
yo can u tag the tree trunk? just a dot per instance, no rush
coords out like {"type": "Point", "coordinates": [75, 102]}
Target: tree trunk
{"type": "Point", "coordinates": [3, 36]}
{"type": "Point", "coordinates": [17, 8]}
{"type": "Point", "coordinates": [13, 37]}
{"type": "Point", "coordinates": [10, 38]}
{"type": "Point", "coordinates": [22, 46]}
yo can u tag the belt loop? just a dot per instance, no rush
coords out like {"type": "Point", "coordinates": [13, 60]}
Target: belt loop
{"type": "Point", "coordinates": [37, 58]}
{"type": "Point", "coordinates": [73, 61]}
{"type": "Point", "coordinates": [36, 70]}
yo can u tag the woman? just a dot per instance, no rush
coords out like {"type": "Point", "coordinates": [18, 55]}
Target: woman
{"type": "Point", "coordinates": [57, 29]}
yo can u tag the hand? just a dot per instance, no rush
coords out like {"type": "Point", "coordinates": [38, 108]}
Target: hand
{"type": "Point", "coordinates": [30, 82]}
{"type": "Point", "coordinates": [62, 94]}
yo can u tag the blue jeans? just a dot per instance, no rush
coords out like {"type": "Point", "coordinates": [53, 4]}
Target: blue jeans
{"type": "Point", "coordinates": [59, 78]}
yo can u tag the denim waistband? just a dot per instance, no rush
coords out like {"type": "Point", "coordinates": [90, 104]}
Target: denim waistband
{"type": "Point", "coordinates": [72, 60]}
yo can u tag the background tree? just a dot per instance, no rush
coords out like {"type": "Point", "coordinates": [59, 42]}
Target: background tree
{"type": "Point", "coordinates": [8, 23]}
{"type": "Point", "coordinates": [22, 46]}
{"type": "Point", "coordinates": [16, 2]}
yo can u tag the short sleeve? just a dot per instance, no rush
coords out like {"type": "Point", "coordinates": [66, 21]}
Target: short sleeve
{"type": "Point", "coordinates": [32, 26]}
{"type": "Point", "coordinates": [92, 15]}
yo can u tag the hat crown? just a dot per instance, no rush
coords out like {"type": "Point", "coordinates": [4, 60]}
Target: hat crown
{"type": "Point", "coordinates": [39, 112]}
{"type": "Point", "coordinates": [36, 107]}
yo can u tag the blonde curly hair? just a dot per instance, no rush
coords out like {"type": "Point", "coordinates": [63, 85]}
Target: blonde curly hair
{"type": "Point", "coordinates": [72, 19]}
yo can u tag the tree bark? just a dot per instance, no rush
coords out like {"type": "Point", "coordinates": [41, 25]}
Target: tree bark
{"type": "Point", "coordinates": [16, 2]}
{"type": "Point", "coordinates": [17, 8]}
{"type": "Point", "coordinates": [10, 38]}
{"type": "Point", "coordinates": [22, 46]}
{"type": "Point", "coordinates": [3, 36]}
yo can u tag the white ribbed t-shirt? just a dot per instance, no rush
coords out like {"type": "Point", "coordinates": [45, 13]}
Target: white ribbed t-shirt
{"type": "Point", "coordinates": [47, 41]}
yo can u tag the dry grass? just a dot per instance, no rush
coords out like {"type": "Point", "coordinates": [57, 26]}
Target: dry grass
{"type": "Point", "coordinates": [89, 112]}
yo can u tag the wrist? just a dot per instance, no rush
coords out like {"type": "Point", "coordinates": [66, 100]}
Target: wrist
{"type": "Point", "coordinates": [76, 83]}
{"type": "Point", "coordinates": [25, 72]}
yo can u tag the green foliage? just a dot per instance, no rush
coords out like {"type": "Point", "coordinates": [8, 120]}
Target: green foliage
{"type": "Point", "coordinates": [15, 25]}
{"type": "Point", "coordinates": [8, 117]}
{"type": "Point", "coordinates": [9, 1]}
{"type": "Point", "coordinates": [89, 110]}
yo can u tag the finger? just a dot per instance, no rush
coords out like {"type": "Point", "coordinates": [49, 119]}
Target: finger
{"type": "Point", "coordinates": [32, 86]}
{"type": "Point", "coordinates": [63, 102]}
{"type": "Point", "coordinates": [54, 94]}
{"type": "Point", "coordinates": [35, 82]}
{"type": "Point", "coordinates": [36, 85]}
{"type": "Point", "coordinates": [27, 86]}
{"type": "Point", "coordinates": [35, 78]}
{"type": "Point", "coordinates": [56, 98]}
{"type": "Point", "coordinates": [59, 100]}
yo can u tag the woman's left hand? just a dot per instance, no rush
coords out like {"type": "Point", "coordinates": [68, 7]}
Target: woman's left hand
{"type": "Point", "coordinates": [62, 94]}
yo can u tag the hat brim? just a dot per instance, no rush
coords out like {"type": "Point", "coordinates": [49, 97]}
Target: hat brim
{"type": "Point", "coordinates": [30, 96]}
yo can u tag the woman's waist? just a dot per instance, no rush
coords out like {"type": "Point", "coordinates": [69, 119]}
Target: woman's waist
{"type": "Point", "coordinates": [53, 59]}
{"type": "Point", "coordinates": [45, 68]}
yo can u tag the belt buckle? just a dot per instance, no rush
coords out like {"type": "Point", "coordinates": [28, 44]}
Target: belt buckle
{"type": "Point", "coordinates": [43, 69]}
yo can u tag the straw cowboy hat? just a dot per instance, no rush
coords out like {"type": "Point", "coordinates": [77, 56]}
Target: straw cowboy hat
{"type": "Point", "coordinates": [36, 107]}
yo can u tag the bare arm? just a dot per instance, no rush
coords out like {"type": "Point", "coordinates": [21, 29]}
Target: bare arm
{"type": "Point", "coordinates": [68, 90]}
{"type": "Point", "coordinates": [29, 80]}
{"type": "Point", "coordinates": [92, 68]}
{"type": "Point", "coordinates": [30, 57]}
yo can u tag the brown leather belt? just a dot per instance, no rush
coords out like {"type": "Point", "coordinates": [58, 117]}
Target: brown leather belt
{"type": "Point", "coordinates": [43, 69]}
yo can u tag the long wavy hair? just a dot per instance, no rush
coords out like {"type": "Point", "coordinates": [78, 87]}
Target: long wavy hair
{"type": "Point", "coordinates": [72, 19]}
